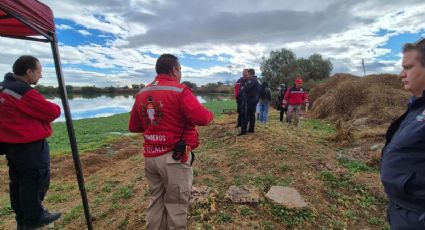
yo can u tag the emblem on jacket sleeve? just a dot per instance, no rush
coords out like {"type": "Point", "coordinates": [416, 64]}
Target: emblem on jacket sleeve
{"type": "Point", "coordinates": [151, 112]}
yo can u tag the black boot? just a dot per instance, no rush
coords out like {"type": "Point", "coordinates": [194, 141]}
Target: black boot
{"type": "Point", "coordinates": [45, 219]}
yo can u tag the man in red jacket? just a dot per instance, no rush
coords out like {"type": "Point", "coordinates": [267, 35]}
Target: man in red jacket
{"type": "Point", "coordinates": [25, 117]}
{"type": "Point", "coordinates": [295, 97]}
{"type": "Point", "coordinates": [239, 84]}
{"type": "Point", "coordinates": [167, 112]}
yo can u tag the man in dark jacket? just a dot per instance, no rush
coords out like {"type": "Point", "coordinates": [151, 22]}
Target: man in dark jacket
{"type": "Point", "coordinates": [25, 117]}
{"type": "Point", "coordinates": [249, 92]}
{"type": "Point", "coordinates": [280, 97]}
{"type": "Point", "coordinates": [403, 157]}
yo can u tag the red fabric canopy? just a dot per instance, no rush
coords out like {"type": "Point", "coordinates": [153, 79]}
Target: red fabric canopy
{"type": "Point", "coordinates": [36, 15]}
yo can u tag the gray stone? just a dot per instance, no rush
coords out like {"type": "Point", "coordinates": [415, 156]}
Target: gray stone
{"type": "Point", "coordinates": [286, 196]}
{"type": "Point", "coordinates": [245, 194]}
{"type": "Point", "coordinates": [360, 122]}
{"type": "Point", "coordinates": [376, 147]}
{"type": "Point", "coordinates": [199, 195]}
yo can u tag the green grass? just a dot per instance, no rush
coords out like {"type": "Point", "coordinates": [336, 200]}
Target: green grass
{"type": "Point", "coordinates": [291, 217]}
{"type": "Point", "coordinates": [5, 210]}
{"type": "Point", "coordinates": [321, 127]}
{"type": "Point", "coordinates": [75, 213]}
{"type": "Point", "coordinates": [246, 211]}
{"type": "Point", "coordinates": [355, 166]}
{"type": "Point", "coordinates": [94, 133]}
{"type": "Point", "coordinates": [57, 198]}
{"type": "Point", "coordinates": [224, 217]}
{"type": "Point", "coordinates": [217, 106]}
{"type": "Point", "coordinates": [125, 192]}
{"type": "Point", "coordinates": [91, 133]}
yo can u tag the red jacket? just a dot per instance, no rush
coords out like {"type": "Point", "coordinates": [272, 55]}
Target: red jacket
{"type": "Point", "coordinates": [295, 96]}
{"type": "Point", "coordinates": [237, 89]}
{"type": "Point", "coordinates": [25, 115]}
{"type": "Point", "coordinates": [238, 86]}
{"type": "Point", "coordinates": [165, 110]}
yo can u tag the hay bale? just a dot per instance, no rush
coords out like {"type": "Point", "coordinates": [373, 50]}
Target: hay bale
{"type": "Point", "coordinates": [376, 99]}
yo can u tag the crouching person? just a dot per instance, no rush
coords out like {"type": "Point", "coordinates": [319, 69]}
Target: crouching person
{"type": "Point", "coordinates": [25, 117]}
{"type": "Point", "coordinates": [166, 112]}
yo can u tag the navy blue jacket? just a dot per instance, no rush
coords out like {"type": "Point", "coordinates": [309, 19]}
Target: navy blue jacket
{"type": "Point", "coordinates": [251, 90]}
{"type": "Point", "coordinates": [403, 158]}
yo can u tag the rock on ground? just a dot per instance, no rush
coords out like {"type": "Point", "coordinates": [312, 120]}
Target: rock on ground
{"type": "Point", "coordinates": [243, 194]}
{"type": "Point", "coordinates": [286, 196]}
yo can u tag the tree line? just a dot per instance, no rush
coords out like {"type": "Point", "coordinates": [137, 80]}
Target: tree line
{"type": "Point", "coordinates": [89, 90]}
{"type": "Point", "coordinates": [218, 87]}
{"type": "Point", "coordinates": [282, 67]}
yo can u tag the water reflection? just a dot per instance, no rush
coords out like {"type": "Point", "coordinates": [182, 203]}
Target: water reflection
{"type": "Point", "coordinates": [108, 105]}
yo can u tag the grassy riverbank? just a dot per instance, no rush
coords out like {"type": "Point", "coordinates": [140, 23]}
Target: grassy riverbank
{"type": "Point", "coordinates": [336, 189]}
{"type": "Point", "coordinates": [94, 133]}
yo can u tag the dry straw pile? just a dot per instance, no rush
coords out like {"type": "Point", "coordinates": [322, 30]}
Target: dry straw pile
{"type": "Point", "coordinates": [370, 100]}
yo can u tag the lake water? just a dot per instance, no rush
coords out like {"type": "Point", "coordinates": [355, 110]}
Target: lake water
{"type": "Point", "coordinates": [105, 105]}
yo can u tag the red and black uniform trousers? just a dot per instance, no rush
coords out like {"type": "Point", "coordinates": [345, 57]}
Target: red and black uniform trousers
{"type": "Point", "coordinates": [29, 173]}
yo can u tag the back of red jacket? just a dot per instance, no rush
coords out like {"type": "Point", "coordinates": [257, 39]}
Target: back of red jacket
{"type": "Point", "coordinates": [25, 115]}
{"type": "Point", "coordinates": [164, 112]}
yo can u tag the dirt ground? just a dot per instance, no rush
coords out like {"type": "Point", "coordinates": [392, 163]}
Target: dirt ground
{"type": "Point", "coordinates": [307, 159]}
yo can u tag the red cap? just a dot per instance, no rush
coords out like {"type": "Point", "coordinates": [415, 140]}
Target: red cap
{"type": "Point", "coordinates": [298, 81]}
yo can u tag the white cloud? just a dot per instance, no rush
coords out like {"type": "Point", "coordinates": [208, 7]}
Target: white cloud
{"type": "Point", "coordinates": [84, 32]}
{"type": "Point", "coordinates": [235, 33]}
{"type": "Point", "coordinates": [63, 27]}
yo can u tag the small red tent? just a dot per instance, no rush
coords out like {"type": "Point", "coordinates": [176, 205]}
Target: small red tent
{"type": "Point", "coordinates": [32, 20]}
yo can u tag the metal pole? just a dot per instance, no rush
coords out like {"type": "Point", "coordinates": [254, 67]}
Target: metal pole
{"type": "Point", "coordinates": [364, 68]}
{"type": "Point", "coordinates": [71, 133]}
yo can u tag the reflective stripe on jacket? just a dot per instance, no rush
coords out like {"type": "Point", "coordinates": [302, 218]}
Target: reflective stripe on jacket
{"type": "Point", "coordinates": [25, 115]}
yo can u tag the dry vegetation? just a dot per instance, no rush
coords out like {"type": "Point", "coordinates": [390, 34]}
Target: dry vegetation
{"type": "Point", "coordinates": [372, 100]}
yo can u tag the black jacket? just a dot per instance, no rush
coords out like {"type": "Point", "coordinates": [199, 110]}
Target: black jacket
{"type": "Point", "coordinates": [251, 90]}
{"type": "Point", "coordinates": [403, 158]}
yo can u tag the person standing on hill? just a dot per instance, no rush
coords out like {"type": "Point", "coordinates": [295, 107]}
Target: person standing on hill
{"type": "Point", "coordinates": [249, 92]}
{"type": "Point", "coordinates": [167, 113]}
{"type": "Point", "coordinates": [280, 97]}
{"type": "Point", "coordinates": [25, 117]}
{"type": "Point", "coordinates": [238, 96]}
{"type": "Point", "coordinates": [265, 99]}
{"type": "Point", "coordinates": [403, 157]}
{"type": "Point", "coordinates": [295, 97]}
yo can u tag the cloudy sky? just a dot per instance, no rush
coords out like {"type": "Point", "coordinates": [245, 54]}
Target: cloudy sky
{"type": "Point", "coordinates": [116, 42]}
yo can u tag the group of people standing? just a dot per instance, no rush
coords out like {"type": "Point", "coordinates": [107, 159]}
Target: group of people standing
{"type": "Point", "coordinates": [254, 97]}
{"type": "Point", "coordinates": [249, 93]}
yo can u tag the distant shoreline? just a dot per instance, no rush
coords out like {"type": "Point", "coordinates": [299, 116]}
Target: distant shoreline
{"type": "Point", "coordinates": [91, 91]}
